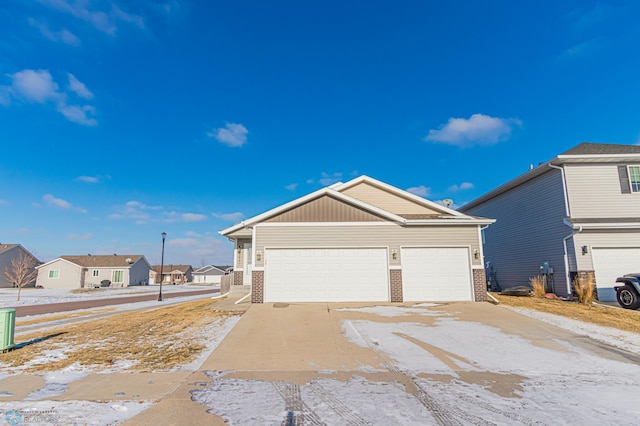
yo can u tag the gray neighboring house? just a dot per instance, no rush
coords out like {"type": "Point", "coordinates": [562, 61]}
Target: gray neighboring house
{"type": "Point", "coordinates": [209, 274]}
{"type": "Point", "coordinates": [8, 252]}
{"type": "Point", "coordinates": [91, 270]}
{"type": "Point", "coordinates": [580, 212]}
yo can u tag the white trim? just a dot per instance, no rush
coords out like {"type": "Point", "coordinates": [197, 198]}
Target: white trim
{"type": "Point", "coordinates": [324, 247]}
{"type": "Point", "coordinates": [606, 225]}
{"type": "Point", "coordinates": [477, 267]}
{"type": "Point", "coordinates": [629, 177]}
{"type": "Point", "coordinates": [445, 222]}
{"type": "Point", "coordinates": [578, 156]}
{"type": "Point", "coordinates": [395, 267]}
{"type": "Point", "coordinates": [258, 268]}
{"type": "Point", "coordinates": [56, 260]}
{"type": "Point", "coordinates": [564, 189]}
{"type": "Point", "coordinates": [301, 224]}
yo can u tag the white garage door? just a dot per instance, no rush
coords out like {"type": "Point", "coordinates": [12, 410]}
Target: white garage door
{"type": "Point", "coordinates": [326, 275]}
{"type": "Point", "coordinates": [436, 274]}
{"type": "Point", "coordinates": [611, 263]}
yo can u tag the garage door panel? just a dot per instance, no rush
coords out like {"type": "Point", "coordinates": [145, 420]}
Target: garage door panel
{"type": "Point", "coordinates": [611, 263]}
{"type": "Point", "coordinates": [326, 275]}
{"type": "Point", "coordinates": [436, 274]}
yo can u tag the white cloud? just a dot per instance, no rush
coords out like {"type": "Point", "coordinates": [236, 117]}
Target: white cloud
{"type": "Point", "coordinates": [479, 129]}
{"type": "Point", "coordinates": [233, 134]}
{"type": "Point", "coordinates": [52, 201]}
{"type": "Point", "coordinates": [4, 202]}
{"type": "Point", "coordinates": [291, 186]}
{"type": "Point", "coordinates": [330, 178]}
{"type": "Point", "coordinates": [88, 179]}
{"type": "Point", "coordinates": [134, 210]}
{"type": "Point", "coordinates": [421, 191]}
{"type": "Point", "coordinates": [39, 86]}
{"type": "Point", "coordinates": [230, 217]}
{"type": "Point", "coordinates": [193, 217]}
{"type": "Point", "coordinates": [78, 87]}
{"type": "Point", "coordinates": [103, 20]}
{"type": "Point", "coordinates": [63, 36]}
{"type": "Point", "coordinates": [80, 237]}
{"type": "Point", "coordinates": [461, 187]}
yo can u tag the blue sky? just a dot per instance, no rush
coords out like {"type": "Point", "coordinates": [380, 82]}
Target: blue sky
{"type": "Point", "coordinates": [123, 119]}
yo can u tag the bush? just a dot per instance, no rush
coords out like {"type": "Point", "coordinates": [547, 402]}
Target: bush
{"type": "Point", "coordinates": [537, 284]}
{"type": "Point", "coordinates": [584, 287]}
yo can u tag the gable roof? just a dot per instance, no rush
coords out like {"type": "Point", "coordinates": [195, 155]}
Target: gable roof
{"type": "Point", "coordinates": [209, 268]}
{"type": "Point", "coordinates": [170, 268]}
{"type": "Point", "coordinates": [5, 248]}
{"type": "Point", "coordinates": [447, 216]}
{"type": "Point", "coordinates": [585, 152]}
{"type": "Point", "coordinates": [104, 261]}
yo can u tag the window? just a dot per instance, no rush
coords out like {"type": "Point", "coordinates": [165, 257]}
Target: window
{"type": "Point", "coordinates": [96, 272]}
{"type": "Point", "coordinates": [634, 178]}
{"type": "Point", "coordinates": [117, 276]}
{"type": "Point", "coordinates": [54, 273]}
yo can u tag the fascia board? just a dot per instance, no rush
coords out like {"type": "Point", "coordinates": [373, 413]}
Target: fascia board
{"type": "Point", "coordinates": [610, 225]}
{"type": "Point", "coordinates": [454, 222]}
{"type": "Point", "coordinates": [399, 192]}
{"type": "Point", "coordinates": [59, 259]}
{"type": "Point", "coordinates": [597, 156]}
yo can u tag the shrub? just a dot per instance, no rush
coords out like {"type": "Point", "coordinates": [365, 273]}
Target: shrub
{"type": "Point", "coordinates": [584, 287]}
{"type": "Point", "coordinates": [537, 284]}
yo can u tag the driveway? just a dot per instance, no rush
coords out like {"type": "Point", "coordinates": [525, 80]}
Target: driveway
{"type": "Point", "coordinates": [450, 364]}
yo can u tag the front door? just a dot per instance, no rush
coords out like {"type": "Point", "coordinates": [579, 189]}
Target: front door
{"type": "Point", "coordinates": [247, 264]}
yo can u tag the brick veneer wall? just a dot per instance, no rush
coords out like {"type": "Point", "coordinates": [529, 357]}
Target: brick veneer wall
{"type": "Point", "coordinates": [257, 287]}
{"type": "Point", "coordinates": [480, 285]}
{"type": "Point", "coordinates": [237, 277]}
{"type": "Point", "coordinates": [395, 277]}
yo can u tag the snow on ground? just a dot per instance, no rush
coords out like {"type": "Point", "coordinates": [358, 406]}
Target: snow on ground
{"type": "Point", "coordinates": [461, 372]}
{"type": "Point", "coordinates": [457, 372]}
{"type": "Point", "coordinates": [38, 296]}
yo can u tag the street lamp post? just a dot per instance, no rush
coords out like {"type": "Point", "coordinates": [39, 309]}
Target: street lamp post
{"type": "Point", "coordinates": [164, 235]}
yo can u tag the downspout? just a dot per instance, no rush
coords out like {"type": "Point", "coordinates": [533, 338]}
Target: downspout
{"type": "Point", "coordinates": [565, 239]}
{"type": "Point", "coordinates": [566, 258]}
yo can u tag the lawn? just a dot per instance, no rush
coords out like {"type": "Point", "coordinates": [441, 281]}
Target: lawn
{"type": "Point", "coordinates": [622, 319]}
{"type": "Point", "coordinates": [153, 339]}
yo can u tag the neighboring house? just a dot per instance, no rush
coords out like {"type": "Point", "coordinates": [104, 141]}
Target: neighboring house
{"type": "Point", "coordinates": [173, 274]}
{"type": "Point", "coordinates": [209, 274]}
{"type": "Point", "coordinates": [91, 270]}
{"type": "Point", "coordinates": [8, 252]}
{"type": "Point", "coordinates": [579, 213]}
{"type": "Point", "coordinates": [363, 240]}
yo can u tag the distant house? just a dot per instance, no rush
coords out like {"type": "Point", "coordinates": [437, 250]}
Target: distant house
{"type": "Point", "coordinates": [172, 274]}
{"type": "Point", "coordinates": [8, 252]}
{"type": "Point", "coordinates": [94, 271]}
{"type": "Point", "coordinates": [576, 214]}
{"type": "Point", "coordinates": [210, 274]}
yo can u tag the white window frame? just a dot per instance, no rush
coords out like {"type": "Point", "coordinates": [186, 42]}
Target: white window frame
{"type": "Point", "coordinates": [113, 276]}
{"type": "Point", "coordinates": [55, 275]}
{"type": "Point", "coordinates": [634, 186]}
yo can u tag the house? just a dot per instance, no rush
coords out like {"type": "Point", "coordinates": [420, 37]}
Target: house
{"type": "Point", "coordinates": [209, 274]}
{"type": "Point", "coordinates": [11, 253]}
{"type": "Point", "coordinates": [94, 271]}
{"type": "Point", "coordinates": [362, 240]}
{"type": "Point", "coordinates": [576, 214]}
{"type": "Point", "coordinates": [173, 274]}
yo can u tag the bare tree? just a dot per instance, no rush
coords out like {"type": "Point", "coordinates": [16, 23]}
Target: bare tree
{"type": "Point", "coordinates": [21, 271]}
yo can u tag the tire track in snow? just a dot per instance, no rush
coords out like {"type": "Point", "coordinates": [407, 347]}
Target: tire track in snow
{"type": "Point", "coordinates": [337, 406]}
{"type": "Point", "coordinates": [298, 413]}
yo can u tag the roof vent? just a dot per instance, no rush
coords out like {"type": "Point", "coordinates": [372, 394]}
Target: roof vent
{"type": "Point", "coordinates": [128, 260]}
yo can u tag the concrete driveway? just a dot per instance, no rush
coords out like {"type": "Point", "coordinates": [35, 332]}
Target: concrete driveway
{"type": "Point", "coordinates": [459, 363]}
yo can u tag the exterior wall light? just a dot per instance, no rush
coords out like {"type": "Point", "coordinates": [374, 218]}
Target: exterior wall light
{"type": "Point", "coordinates": [476, 254]}
{"type": "Point", "coordinates": [585, 250]}
{"type": "Point", "coordinates": [259, 255]}
{"type": "Point", "coordinates": [394, 254]}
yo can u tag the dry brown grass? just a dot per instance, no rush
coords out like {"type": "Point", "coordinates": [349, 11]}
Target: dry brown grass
{"type": "Point", "coordinates": [584, 286]}
{"type": "Point", "coordinates": [622, 319]}
{"type": "Point", "coordinates": [156, 339]}
{"type": "Point", "coordinates": [50, 318]}
{"type": "Point", "coordinates": [537, 284]}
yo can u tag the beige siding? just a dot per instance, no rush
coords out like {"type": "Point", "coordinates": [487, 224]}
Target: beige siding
{"type": "Point", "coordinates": [391, 236]}
{"type": "Point", "coordinates": [594, 192]}
{"type": "Point", "coordinates": [623, 238]}
{"type": "Point", "coordinates": [325, 209]}
{"type": "Point", "coordinates": [386, 200]}
{"type": "Point", "coordinates": [69, 276]}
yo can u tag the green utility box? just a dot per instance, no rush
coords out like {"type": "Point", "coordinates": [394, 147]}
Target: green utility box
{"type": "Point", "coordinates": [7, 328]}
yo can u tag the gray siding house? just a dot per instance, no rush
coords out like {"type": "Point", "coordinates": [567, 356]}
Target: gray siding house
{"type": "Point", "coordinates": [577, 213]}
{"type": "Point", "coordinates": [91, 270]}
{"type": "Point", "coordinates": [9, 252]}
